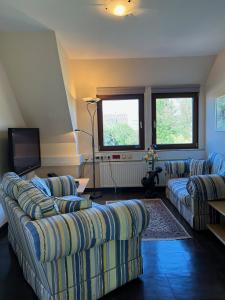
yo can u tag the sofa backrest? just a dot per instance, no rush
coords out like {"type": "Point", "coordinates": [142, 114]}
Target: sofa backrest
{"type": "Point", "coordinates": [216, 161]}
{"type": "Point", "coordinates": [11, 184]}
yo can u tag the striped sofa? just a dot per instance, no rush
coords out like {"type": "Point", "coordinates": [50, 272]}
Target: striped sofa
{"type": "Point", "coordinates": [78, 255]}
{"type": "Point", "coordinates": [190, 192]}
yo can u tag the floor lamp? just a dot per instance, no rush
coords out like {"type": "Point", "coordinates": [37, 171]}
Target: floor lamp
{"type": "Point", "coordinates": [90, 102]}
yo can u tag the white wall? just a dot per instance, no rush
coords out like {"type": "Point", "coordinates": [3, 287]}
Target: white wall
{"type": "Point", "coordinates": [215, 141]}
{"type": "Point", "coordinates": [89, 74]}
{"type": "Point", "coordinates": [68, 82]}
{"type": "Point", "coordinates": [34, 68]}
{"type": "Point", "coordinates": [10, 116]}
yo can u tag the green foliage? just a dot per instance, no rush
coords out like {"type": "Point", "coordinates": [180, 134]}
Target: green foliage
{"type": "Point", "coordinates": [120, 134]}
{"type": "Point", "coordinates": [174, 121]}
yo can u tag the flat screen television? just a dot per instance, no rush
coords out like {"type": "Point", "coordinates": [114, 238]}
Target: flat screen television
{"type": "Point", "coordinates": [24, 150]}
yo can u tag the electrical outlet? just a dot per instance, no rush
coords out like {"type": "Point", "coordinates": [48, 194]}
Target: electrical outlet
{"type": "Point", "coordinates": [129, 156]}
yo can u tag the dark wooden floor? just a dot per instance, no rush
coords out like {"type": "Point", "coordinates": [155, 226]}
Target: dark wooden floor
{"type": "Point", "coordinates": [192, 269]}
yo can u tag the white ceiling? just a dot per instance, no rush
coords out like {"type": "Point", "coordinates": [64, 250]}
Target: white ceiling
{"type": "Point", "coordinates": [167, 27]}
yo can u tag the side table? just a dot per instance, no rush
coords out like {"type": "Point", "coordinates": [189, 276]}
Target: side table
{"type": "Point", "coordinates": [83, 182]}
{"type": "Point", "coordinates": [218, 229]}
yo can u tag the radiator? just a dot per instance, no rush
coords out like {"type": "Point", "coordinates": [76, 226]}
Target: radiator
{"type": "Point", "coordinates": [125, 174]}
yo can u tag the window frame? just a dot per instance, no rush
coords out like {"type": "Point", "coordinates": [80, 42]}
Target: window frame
{"type": "Point", "coordinates": [141, 145]}
{"type": "Point", "coordinates": [195, 96]}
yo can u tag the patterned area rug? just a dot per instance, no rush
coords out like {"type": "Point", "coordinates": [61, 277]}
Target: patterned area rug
{"type": "Point", "coordinates": [163, 224]}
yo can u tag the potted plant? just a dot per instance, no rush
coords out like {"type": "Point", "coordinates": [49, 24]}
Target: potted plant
{"type": "Point", "coordinates": [151, 156]}
{"type": "Point", "coordinates": [148, 181]}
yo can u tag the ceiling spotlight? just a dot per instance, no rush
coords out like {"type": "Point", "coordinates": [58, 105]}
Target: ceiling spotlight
{"type": "Point", "coordinates": [121, 8]}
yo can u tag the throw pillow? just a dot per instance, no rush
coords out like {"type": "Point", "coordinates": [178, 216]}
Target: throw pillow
{"type": "Point", "coordinates": [40, 184]}
{"type": "Point", "coordinates": [35, 204]}
{"type": "Point", "coordinates": [73, 203]}
{"type": "Point", "coordinates": [199, 167]}
{"type": "Point", "coordinates": [11, 183]}
{"type": "Point", "coordinates": [62, 186]}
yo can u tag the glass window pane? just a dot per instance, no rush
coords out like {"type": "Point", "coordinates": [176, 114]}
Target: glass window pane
{"type": "Point", "coordinates": [174, 121]}
{"type": "Point", "coordinates": [120, 122]}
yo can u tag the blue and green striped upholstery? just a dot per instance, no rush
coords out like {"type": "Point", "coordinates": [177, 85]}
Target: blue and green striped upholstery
{"type": "Point", "coordinates": [40, 184]}
{"type": "Point", "coordinates": [90, 272]}
{"type": "Point", "coordinates": [62, 185]}
{"type": "Point", "coordinates": [206, 187]}
{"type": "Point", "coordinates": [222, 169]}
{"type": "Point", "coordinates": [178, 188]}
{"type": "Point", "coordinates": [199, 167]}
{"type": "Point", "coordinates": [216, 161]}
{"type": "Point", "coordinates": [85, 229]}
{"type": "Point", "coordinates": [72, 203]}
{"type": "Point", "coordinates": [11, 183]}
{"type": "Point", "coordinates": [35, 204]}
{"type": "Point", "coordinates": [177, 168]}
{"type": "Point", "coordinates": [191, 195]}
{"type": "Point", "coordinates": [84, 275]}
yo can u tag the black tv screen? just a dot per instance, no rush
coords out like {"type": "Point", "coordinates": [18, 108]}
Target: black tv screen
{"type": "Point", "coordinates": [24, 149]}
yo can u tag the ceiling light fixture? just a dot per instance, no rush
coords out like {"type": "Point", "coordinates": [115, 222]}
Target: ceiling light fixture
{"type": "Point", "coordinates": [121, 8]}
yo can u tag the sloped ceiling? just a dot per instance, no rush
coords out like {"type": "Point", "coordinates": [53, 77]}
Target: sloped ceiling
{"type": "Point", "coordinates": [166, 28]}
{"type": "Point", "coordinates": [32, 64]}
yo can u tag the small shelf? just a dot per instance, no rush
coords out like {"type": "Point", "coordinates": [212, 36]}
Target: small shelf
{"type": "Point", "coordinates": [218, 231]}
{"type": "Point", "coordinates": [218, 206]}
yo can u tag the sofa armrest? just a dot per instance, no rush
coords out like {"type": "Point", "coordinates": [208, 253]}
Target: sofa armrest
{"type": "Point", "coordinates": [68, 204]}
{"type": "Point", "coordinates": [66, 234]}
{"type": "Point", "coordinates": [62, 185]}
{"type": "Point", "coordinates": [177, 168]}
{"type": "Point", "coordinates": [204, 188]}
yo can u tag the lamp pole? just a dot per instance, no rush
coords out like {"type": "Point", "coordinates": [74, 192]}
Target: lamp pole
{"type": "Point", "coordinates": [94, 194]}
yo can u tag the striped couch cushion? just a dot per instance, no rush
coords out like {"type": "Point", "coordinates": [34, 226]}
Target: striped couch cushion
{"type": "Point", "coordinates": [222, 169]}
{"type": "Point", "coordinates": [11, 184]}
{"type": "Point", "coordinates": [62, 185]}
{"type": "Point", "coordinates": [179, 188]}
{"type": "Point", "coordinates": [73, 203]}
{"type": "Point", "coordinates": [35, 204]}
{"type": "Point", "coordinates": [66, 234]}
{"type": "Point", "coordinates": [199, 167]}
{"type": "Point", "coordinates": [216, 161]}
{"type": "Point", "coordinates": [40, 184]}
{"type": "Point", "coordinates": [177, 168]}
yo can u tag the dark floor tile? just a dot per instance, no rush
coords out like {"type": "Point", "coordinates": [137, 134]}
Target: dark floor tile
{"type": "Point", "coordinates": [198, 286]}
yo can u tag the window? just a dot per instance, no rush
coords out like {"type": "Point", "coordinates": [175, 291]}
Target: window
{"type": "Point", "coordinates": [175, 120]}
{"type": "Point", "coordinates": [121, 122]}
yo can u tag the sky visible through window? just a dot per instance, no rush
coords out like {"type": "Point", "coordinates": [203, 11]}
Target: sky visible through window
{"type": "Point", "coordinates": [120, 122]}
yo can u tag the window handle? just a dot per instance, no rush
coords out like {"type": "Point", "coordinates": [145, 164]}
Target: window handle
{"type": "Point", "coordinates": [154, 124]}
{"type": "Point", "coordinates": [141, 125]}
